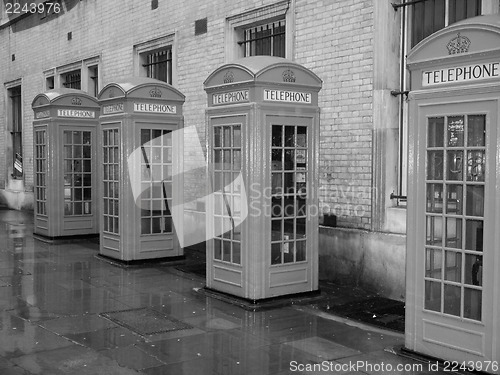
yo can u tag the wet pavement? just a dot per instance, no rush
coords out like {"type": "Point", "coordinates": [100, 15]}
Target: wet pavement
{"type": "Point", "coordinates": [65, 311]}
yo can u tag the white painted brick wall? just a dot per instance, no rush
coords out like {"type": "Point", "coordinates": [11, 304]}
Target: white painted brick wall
{"type": "Point", "coordinates": [332, 38]}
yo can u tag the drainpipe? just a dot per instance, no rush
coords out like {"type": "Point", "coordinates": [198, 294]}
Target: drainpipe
{"type": "Point", "coordinates": [403, 95]}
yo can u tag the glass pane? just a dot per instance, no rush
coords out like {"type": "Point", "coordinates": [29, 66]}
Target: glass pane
{"type": "Point", "coordinates": [473, 269]}
{"type": "Point", "coordinates": [435, 198]}
{"type": "Point", "coordinates": [156, 141]}
{"type": "Point", "coordinates": [156, 155]}
{"type": "Point", "coordinates": [456, 131]}
{"type": "Point", "coordinates": [277, 183]}
{"type": "Point", "coordinates": [288, 229]}
{"type": "Point", "coordinates": [289, 136]}
{"type": "Point", "coordinates": [277, 159]}
{"type": "Point", "coordinates": [77, 137]}
{"type": "Point", "coordinates": [300, 231]}
{"type": "Point", "coordinates": [77, 151]}
{"type": "Point", "coordinates": [67, 137]}
{"type": "Point", "coordinates": [474, 235]}
{"type": "Point", "coordinates": [475, 200]}
{"type": "Point", "coordinates": [475, 166]}
{"type": "Point", "coordinates": [226, 138]}
{"type": "Point", "coordinates": [86, 152]}
{"type": "Point", "coordinates": [453, 266]}
{"type": "Point", "coordinates": [276, 230]}
{"type": "Point", "coordinates": [433, 263]}
{"type": "Point", "coordinates": [476, 133]}
{"type": "Point", "coordinates": [217, 249]}
{"type": "Point", "coordinates": [301, 136]}
{"type": "Point", "coordinates": [236, 253]}
{"type": "Point", "coordinates": [435, 165]}
{"type": "Point", "coordinates": [454, 199]}
{"type": "Point", "coordinates": [277, 208]}
{"type": "Point", "coordinates": [432, 296]}
{"type": "Point", "coordinates": [217, 137]}
{"type": "Point", "coordinates": [226, 251]}
{"type": "Point", "coordinates": [226, 159]}
{"type": "Point", "coordinates": [218, 181]}
{"type": "Point", "coordinates": [218, 160]}
{"type": "Point", "coordinates": [276, 253]}
{"type": "Point", "coordinates": [301, 207]}
{"type": "Point", "coordinates": [236, 136]}
{"type": "Point", "coordinates": [289, 160]}
{"type": "Point", "coordinates": [86, 165]}
{"type": "Point", "coordinates": [277, 135]}
{"type": "Point", "coordinates": [168, 225]}
{"type": "Point", "coordinates": [289, 186]}
{"type": "Point", "coordinates": [236, 160]}
{"type": "Point", "coordinates": [434, 230]}
{"type": "Point", "coordinates": [452, 300]}
{"type": "Point", "coordinates": [288, 250]}
{"type": "Point", "coordinates": [68, 153]}
{"type": "Point", "coordinates": [156, 225]}
{"type": "Point", "coordinates": [454, 232]}
{"type": "Point", "coordinates": [435, 132]}
{"type": "Point", "coordinates": [86, 138]}
{"type": "Point", "coordinates": [472, 303]}
{"type": "Point", "coordinates": [300, 248]}
{"type": "Point", "coordinates": [455, 165]}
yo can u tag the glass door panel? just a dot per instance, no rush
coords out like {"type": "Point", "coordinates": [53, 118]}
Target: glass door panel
{"type": "Point", "coordinates": [110, 196]}
{"type": "Point", "coordinates": [156, 165]}
{"type": "Point", "coordinates": [289, 171]}
{"type": "Point", "coordinates": [455, 170]}
{"type": "Point", "coordinates": [226, 163]}
{"type": "Point", "coordinates": [41, 172]}
{"type": "Point", "coordinates": [77, 172]}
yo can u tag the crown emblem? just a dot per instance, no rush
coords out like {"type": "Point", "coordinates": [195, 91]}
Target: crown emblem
{"type": "Point", "coordinates": [155, 93]}
{"type": "Point", "coordinates": [459, 44]}
{"type": "Point", "coordinates": [229, 77]}
{"type": "Point", "coordinates": [288, 76]}
{"type": "Point", "coordinates": [111, 93]}
{"type": "Point", "coordinates": [76, 101]}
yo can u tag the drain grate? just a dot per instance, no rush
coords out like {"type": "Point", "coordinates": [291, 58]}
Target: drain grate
{"type": "Point", "coordinates": [145, 321]}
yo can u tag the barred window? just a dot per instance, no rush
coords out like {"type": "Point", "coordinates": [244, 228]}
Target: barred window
{"type": "Point", "coordinates": [268, 39]}
{"type": "Point", "coordinates": [429, 16]}
{"type": "Point", "coordinates": [158, 64]}
{"type": "Point", "coordinates": [72, 80]}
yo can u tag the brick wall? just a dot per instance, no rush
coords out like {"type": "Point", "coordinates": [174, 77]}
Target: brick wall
{"type": "Point", "coordinates": [332, 38]}
{"type": "Point", "coordinates": [336, 43]}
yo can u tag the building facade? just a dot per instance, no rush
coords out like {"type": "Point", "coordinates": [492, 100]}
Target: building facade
{"type": "Point", "coordinates": [357, 48]}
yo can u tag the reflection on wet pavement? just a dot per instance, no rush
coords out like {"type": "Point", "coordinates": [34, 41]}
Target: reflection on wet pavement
{"type": "Point", "coordinates": [56, 300]}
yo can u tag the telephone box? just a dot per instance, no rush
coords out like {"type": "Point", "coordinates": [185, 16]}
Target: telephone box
{"type": "Point", "coordinates": [262, 211]}
{"type": "Point", "coordinates": [140, 154]}
{"type": "Point", "coordinates": [453, 257]}
{"type": "Point", "coordinates": [64, 134]}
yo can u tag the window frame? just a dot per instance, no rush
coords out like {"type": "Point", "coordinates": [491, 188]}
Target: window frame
{"type": "Point", "coordinates": [85, 67]}
{"type": "Point", "coordinates": [446, 21]}
{"type": "Point", "coordinates": [252, 42]}
{"type": "Point", "coordinates": [237, 24]}
{"type": "Point", "coordinates": [145, 49]}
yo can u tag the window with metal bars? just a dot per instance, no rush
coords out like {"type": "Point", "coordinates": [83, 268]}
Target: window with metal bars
{"type": "Point", "coordinates": [73, 80]}
{"type": "Point", "coordinates": [268, 39]}
{"type": "Point", "coordinates": [429, 16]}
{"type": "Point", "coordinates": [158, 65]}
{"type": "Point", "coordinates": [16, 131]}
